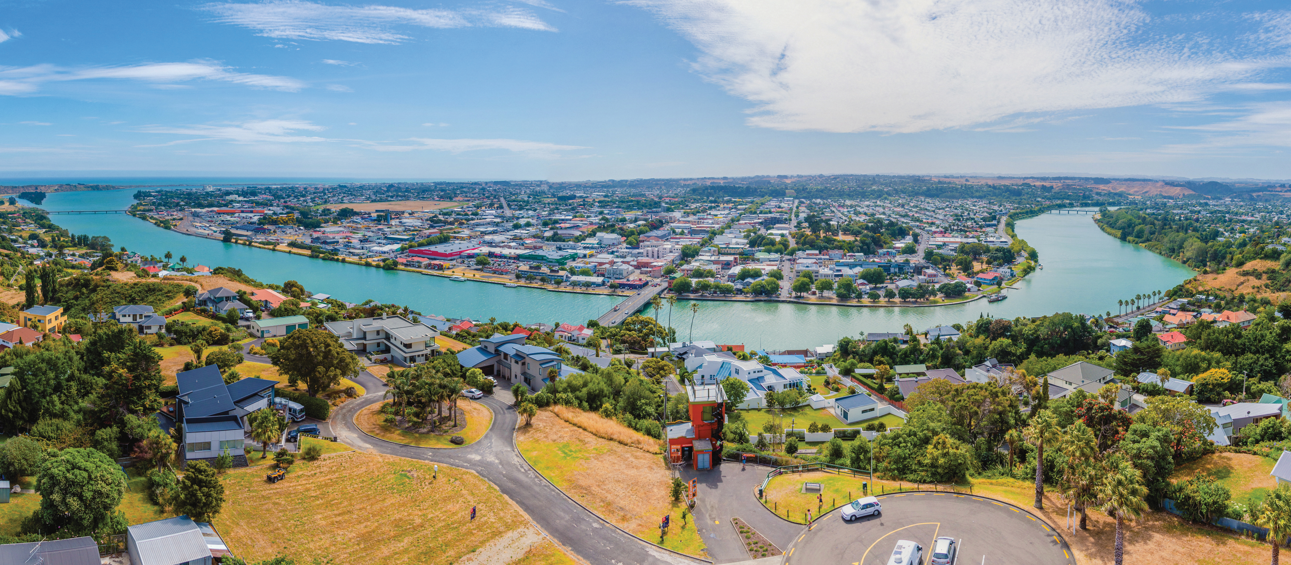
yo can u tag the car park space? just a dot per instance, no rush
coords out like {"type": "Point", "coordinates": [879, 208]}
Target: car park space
{"type": "Point", "coordinates": [983, 531]}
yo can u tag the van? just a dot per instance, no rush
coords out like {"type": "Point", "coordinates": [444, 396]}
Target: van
{"type": "Point", "coordinates": [906, 553]}
{"type": "Point", "coordinates": [294, 410]}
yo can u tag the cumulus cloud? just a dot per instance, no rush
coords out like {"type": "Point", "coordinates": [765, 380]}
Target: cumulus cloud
{"type": "Point", "coordinates": [457, 146]}
{"type": "Point", "coordinates": [25, 80]}
{"type": "Point", "coordinates": [259, 131]}
{"type": "Point", "coordinates": [899, 66]}
{"type": "Point", "coordinates": [299, 19]}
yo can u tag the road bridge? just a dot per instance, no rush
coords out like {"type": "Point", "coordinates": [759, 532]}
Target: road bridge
{"type": "Point", "coordinates": [52, 212]}
{"type": "Point", "coordinates": [1073, 211]}
{"type": "Point", "coordinates": [632, 305]}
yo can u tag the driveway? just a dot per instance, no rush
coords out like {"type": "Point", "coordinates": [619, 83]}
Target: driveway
{"type": "Point", "coordinates": [495, 458]}
{"type": "Point", "coordinates": [730, 492]}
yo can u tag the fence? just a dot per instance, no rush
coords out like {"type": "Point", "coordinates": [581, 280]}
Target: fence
{"type": "Point", "coordinates": [874, 489]}
{"type": "Point", "coordinates": [111, 545]}
{"type": "Point", "coordinates": [1241, 528]}
{"type": "Point", "coordinates": [900, 405]}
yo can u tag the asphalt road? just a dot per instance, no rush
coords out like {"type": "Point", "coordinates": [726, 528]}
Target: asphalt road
{"type": "Point", "coordinates": [987, 532]}
{"type": "Point", "coordinates": [495, 458]}
{"type": "Point", "coordinates": [630, 306]}
{"type": "Point", "coordinates": [728, 492]}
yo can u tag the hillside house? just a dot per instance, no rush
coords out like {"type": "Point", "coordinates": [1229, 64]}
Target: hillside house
{"type": "Point", "coordinates": [507, 357]}
{"type": "Point", "coordinates": [214, 414]}
{"type": "Point", "coordinates": [699, 440]}
{"type": "Point", "coordinates": [47, 319]}
{"type": "Point", "coordinates": [405, 342]}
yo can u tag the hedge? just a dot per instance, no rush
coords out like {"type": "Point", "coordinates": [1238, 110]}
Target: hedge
{"type": "Point", "coordinates": [846, 433]}
{"type": "Point", "coordinates": [316, 408]}
{"type": "Point", "coordinates": [169, 391]}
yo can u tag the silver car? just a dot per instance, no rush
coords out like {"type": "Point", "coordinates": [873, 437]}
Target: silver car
{"type": "Point", "coordinates": [943, 551]}
{"type": "Point", "coordinates": [473, 394]}
{"type": "Point", "coordinates": [906, 553]}
{"type": "Point", "coordinates": [868, 506]}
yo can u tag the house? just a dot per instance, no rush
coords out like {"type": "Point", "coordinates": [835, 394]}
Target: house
{"type": "Point", "coordinates": [985, 371]}
{"type": "Point", "coordinates": [944, 333]}
{"type": "Point", "coordinates": [713, 368]}
{"type": "Point", "coordinates": [1282, 470]}
{"type": "Point", "coordinates": [72, 551]}
{"type": "Point", "coordinates": [20, 336]}
{"type": "Point", "coordinates": [1180, 319]}
{"type": "Point", "coordinates": [1244, 414]}
{"type": "Point", "coordinates": [174, 541]}
{"type": "Point", "coordinates": [1172, 385]}
{"type": "Point", "coordinates": [1242, 318]}
{"type": "Point", "coordinates": [404, 341]}
{"type": "Point", "coordinates": [214, 414]}
{"type": "Point", "coordinates": [694, 440]}
{"type": "Point", "coordinates": [573, 334]}
{"type": "Point", "coordinates": [278, 327]}
{"type": "Point", "coordinates": [268, 299]}
{"type": "Point", "coordinates": [875, 337]}
{"type": "Point", "coordinates": [141, 317]}
{"type": "Point", "coordinates": [989, 279]}
{"type": "Point", "coordinates": [506, 356]}
{"type": "Point", "coordinates": [909, 385]}
{"type": "Point", "coordinates": [910, 370]}
{"type": "Point", "coordinates": [1080, 375]}
{"type": "Point", "coordinates": [1119, 345]}
{"type": "Point", "coordinates": [855, 408]}
{"type": "Point", "coordinates": [1173, 340]}
{"type": "Point", "coordinates": [215, 296]}
{"type": "Point", "coordinates": [43, 318]}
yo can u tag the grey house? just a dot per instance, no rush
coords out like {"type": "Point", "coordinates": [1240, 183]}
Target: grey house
{"type": "Point", "coordinates": [175, 541]}
{"type": "Point", "coordinates": [214, 414]}
{"type": "Point", "coordinates": [141, 317]}
{"type": "Point", "coordinates": [74, 551]}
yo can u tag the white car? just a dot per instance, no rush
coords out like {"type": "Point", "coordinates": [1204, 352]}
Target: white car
{"type": "Point", "coordinates": [473, 393]}
{"type": "Point", "coordinates": [906, 553]}
{"type": "Point", "coordinates": [868, 506]}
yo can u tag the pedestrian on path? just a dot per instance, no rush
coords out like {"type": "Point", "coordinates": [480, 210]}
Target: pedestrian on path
{"type": "Point", "coordinates": [744, 458]}
{"type": "Point", "coordinates": [472, 513]}
{"type": "Point", "coordinates": [808, 516]}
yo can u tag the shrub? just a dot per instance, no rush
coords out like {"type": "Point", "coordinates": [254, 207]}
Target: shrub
{"type": "Point", "coordinates": [312, 452]}
{"type": "Point", "coordinates": [223, 461]}
{"type": "Point", "coordinates": [678, 487]}
{"type": "Point", "coordinates": [170, 391]}
{"type": "Point", "coordinates": [283, 458]}
{"type": "Point", "coordinates": [107, 440]}
{"type": "Point", "coordinates": [162, 485]}
{"type": "Point", "coordinates": [846, 434]}
{"type": "Point", "coordinates": [812, 428]}
{"type": "Point", "coordinates": [21, 457]}
{"type": "Point", "coordinates": [795, 434]}
{"type": "Point", "coordinates": [1200, 498]}
{"type": "Point", "coordinates": [791, 446]}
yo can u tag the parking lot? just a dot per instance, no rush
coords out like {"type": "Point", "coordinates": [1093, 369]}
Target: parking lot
{"type": "Point", "coordinates": [986, 531]}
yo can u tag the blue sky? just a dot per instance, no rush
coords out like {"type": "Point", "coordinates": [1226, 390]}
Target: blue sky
{"type": "Point", "coordinates": [592, 89]}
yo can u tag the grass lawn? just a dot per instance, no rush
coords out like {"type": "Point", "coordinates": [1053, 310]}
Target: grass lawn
{"type": "Point", "coordinates": [191, 318]}
{"type": "Point", "coordinates": [818, 381]}
{"type": "Point", "coordinates": [366, 508]}
{"type": "Point", "coordinates": [135, 504]}
{"type": "Point", "coordinates": [172, 360]}
{"type": "Point", "coordinates": [803, 416]}
{"type": "Point", "coordinates": [1157, 537]}
{"type": "Point", "coordinates": [1246, 476]}
{"type": "Point", "coordinates": [622, 484]}
{"type": "Point", "coordinates": [269, 372]}
{"type": "Point", "coordinates": [478, 420]}
{"type": "Point", "coordinates": [19, 508]}
{"type": "Point", "coordinates": [450, 344]}
{"type": "Point", "coordinates": [545, 553]}
{"type": "Point", "coordinates": [329, 447]}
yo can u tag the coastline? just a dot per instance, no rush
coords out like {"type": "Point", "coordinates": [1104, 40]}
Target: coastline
{"type": "Point", "coordinates": [606, 293]}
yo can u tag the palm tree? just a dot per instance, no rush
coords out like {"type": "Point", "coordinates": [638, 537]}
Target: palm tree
{"type": "Point", "coordinates": [1014, 439]}
{"type": "Point", "coordinates": [1119, 306]}
{"type": "Point", "coordinates": [1276, 516]}
{"type": "Point", "coordinates": [1043, 429]}
{"type": "Point", "coordinates": [400, 384]}
{"type": "Point", "coordinates": [672, 301]}
{"type": "Point", "coordinates": [168, 256]}
{"type": "Point", "coordinates": [1080, 477]}
{"type": "Point", "coordinates": [266, 426]}
{"type": "Point", "coordinates": [1122, 493]}
{"type": "Point", "coordinates": [183, 260]}
{"type": "Point", "coordinates": [694, 309]}
{"type": "Point", "coordinates": [454, 394]}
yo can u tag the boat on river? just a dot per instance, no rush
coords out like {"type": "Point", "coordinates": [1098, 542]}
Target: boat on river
{"type": "Point", "coordinates": [996, 297]}
{"type": "Point", "coordinates": [510, 285]}
{"type": "Point", "coordinates": [457, 279]}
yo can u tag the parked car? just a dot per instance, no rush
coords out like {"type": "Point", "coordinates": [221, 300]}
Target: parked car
{"type": "Point", "coordinates": [868, 506]}
{"type": "Point", "coordinates": [906, 553]}
{"type": "Point", "coordinates": [294, 435]}
{"type": "Point", "coordinates": [473, 393]}
{"type": "Point", "coordinates": [943, 551]}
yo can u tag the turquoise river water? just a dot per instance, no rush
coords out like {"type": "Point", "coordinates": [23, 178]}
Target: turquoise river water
{"type": "Point", "coordinates": [1084, 271]}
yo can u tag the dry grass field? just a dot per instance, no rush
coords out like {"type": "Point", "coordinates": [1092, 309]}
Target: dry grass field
{"type": "Point", "coordinates": [606, 428]}
{"type": "Point", "coordinates": [400, 205]}
{"type": "Point", "coordinates": [361, 508]}
{"type": "Point", "coordinates": [478, 420]}
{"type": "Point", "coordinates": [1231, 281]}
{"type": "Point", "coordinates": [1246, 476]}
{"type": "Point", "coordinates": [625, 485]}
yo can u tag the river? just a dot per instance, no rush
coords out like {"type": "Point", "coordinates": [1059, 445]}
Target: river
{"type": "Point", "coordinates": [1085, 271]}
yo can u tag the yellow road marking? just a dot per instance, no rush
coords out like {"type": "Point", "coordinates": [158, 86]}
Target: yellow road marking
{"type": "Point", "coordinates": [996, 503]}
{"type": "Point", "coordinates": [1046, 528]}
{"type": "Point", "coordinates": [1015, 510]}
{"type": "Point", "coordinates": [1055, 540]}
{"type": "Point", "coordinates": [895, 496]}
{"type": "Point", "coordinates": [1064, 552]}
{"type": "Point", "coordinates": [791, 550]}
{"type": "Point", "coordinates": [802, 536]}
{"type": "Point", "coordinates": [717, 522]}
{"type": "Point", "coordinates": [876, 542]}
{"type": "Point", "coordinates": [1031, 517]}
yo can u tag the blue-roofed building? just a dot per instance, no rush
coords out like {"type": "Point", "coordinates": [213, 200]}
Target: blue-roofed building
{"type": "Point", "coordinates": [713, 368]}
{"type": "Point", "coordinates": [213, 414]}
{"type": "Point", "coordinates": [507, 357]}
{"type": "Point", "coordinates": [855, 408]}
{"type": "Point", "coordinates": [1171, 384]}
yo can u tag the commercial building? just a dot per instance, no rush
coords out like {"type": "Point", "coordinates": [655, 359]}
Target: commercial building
{"type": "Point", "coordinates": [445, 250]}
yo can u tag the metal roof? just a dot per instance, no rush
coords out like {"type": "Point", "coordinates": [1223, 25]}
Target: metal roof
{"type": "Point", "coordinates": [167, 542]}
{"type": "Point", "coordinates": [212, 424]}
{"type": "Point", "coordinates": [245, 388]}
{"type": "Point", "coordinates": [42, 310]}
{"type": "Point", "coordinates": [75, 551]}
{"type": "Point", "coordinates": [204, 392]}
{"type": "Point", "coordinates": [283, 321]}
{"type": "Point", "coordinates": [854, 401]}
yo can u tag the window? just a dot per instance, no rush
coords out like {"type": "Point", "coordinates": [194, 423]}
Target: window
{"type": "Point", "coordinates": [230, 444]}
{"type": "Point", "coordinates": [199, 446]}
{"type": "Point", "coordinates": [708, 414]}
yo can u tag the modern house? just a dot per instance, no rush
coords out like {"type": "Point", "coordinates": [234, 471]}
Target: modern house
{"type": "Point", "coordinates": [695, 440]}
{"type": "Point", "coordinates": [1282, 470]}
{"type": "Point", "coordinates": [221, 300]}
{"type": "Point", "coordinates": [404, 341]}
{"type": "Point", "coordinates": [910, 370]}
{"type": "Point", "coordinates": [1173, 340]}
{"type": "Point", "coordinates": [73, 551]}
{"type": "Point", "coordinates": [944, 333]}
{"type": "Point", "coordinates": [278, 327]}
{"type": "Point", "coordinates": [909, 385]}
{"type": "Point", "coordinates": [214, 414]}
{"type": "Point", "coordinates": [713, 368]}
{"type": "Point", "coordinates": [1244, 414]}
{"type": "Point", "coordinates": [141, 317]}
{"type": "Point", "coordinates": [875, 337]}
{"type": "Point", "coordinates": [47, 319]}
{"type": "Point", "coordinates": [506, 356]}
{"type": "Point", "coordinates": [1171, 384]}
{"type": "Point", "coordinates": [855, 408]}
{"type": "Point", "coordinates": [1080, 375]}
{"type": "Point", "coordinates": [986, 370]}
{"type": "Point", "coordinates": [174, 541]}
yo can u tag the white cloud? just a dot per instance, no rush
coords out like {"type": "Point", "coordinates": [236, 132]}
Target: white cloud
{"type": "Point", "coordinates": [298, 19]}
{"type": "Point", "coordinates": [36, 123]}
{"type": "Point", "coordinates": [3, 36]}
{"type": "Point", "coordinates": [262, 131]}
{"type": "Point", "coordinates": [1254, 125]}
{"type": "Point", "coordinates": [916, 65]}
{"type": "Point", "coordinates": [456, 146]}
{"type": "Point", "coordinates": [24, 80]}
{"type": "Point", "coordinates": [339, 88]}
{"type": "Point", "coordinates": [435, 125]}
{"type": "Point", "coordinates": [338, 63]}
{"type": "Point", "coordinates": [539, 4]}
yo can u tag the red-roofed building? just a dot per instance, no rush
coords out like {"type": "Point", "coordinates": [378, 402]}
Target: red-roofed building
{"type": "Point", "coordinates": [573, 334]}
{"type": "Point", "coordinates": [202, 269]}
{"type": "Point", "coordinates": [1173, 340]}
{"type": "Point", "coordinates": [153, 270]}
{"type": "Point", "coordinates": [465, 325]}
{"type": "Point", "coordinates": [1180, 319]}
{"type": "Point", "coordinates": [521, 331]}
{"type": "Point", "coordinates": [268, 298]}
{"type": "Point", "coordinates": [20, 336]}
{"type": "Point", "coordinates": [1241, 318]}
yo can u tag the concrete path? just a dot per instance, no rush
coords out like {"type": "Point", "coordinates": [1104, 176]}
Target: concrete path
{"type": "Point", "coordinates": [730, 492]}
{"type": "Point", "coordinates": [496, 459]}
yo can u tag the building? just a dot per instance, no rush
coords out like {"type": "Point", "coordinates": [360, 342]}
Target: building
{"type": "Point", "coordinates": [268, 299]}
{"type": "Point", "coordinates": [446, 250]}
{"type": "Point", "coordinates": [278, 327]}
{"type": "Point", "coordinates": [141, 317]}
{"type": "Point", "coordinates": [174, 541]}
{"type": "Point", "coordinates": [989, 279]}
{"type": "Point", "coordinates": [713, 368]}
{"type": "Point", "coordinates": [909, 385]}
{"type": "Point", "coordinates": [855, 408]}
{"type": "Point", "coordinates": [1080, 375]}
{"type": "Point", "coordinates": [48, 319]}
{"type": "Point", "coordinates": [699, 440]}
{"type": "Point", "coordinates": [221, 300]}
{"type": "Point", "coordinates": [944, 333]}
{"type": "Point", "coordinates": [507, 357]}
{"type": "Point", "coordinates": [73, 551]}
{"type": "Point", "coordinates": [1172, 385]}
{"type": "Point", "coordinates": [573, 334]}
{"type": "Point", "coordinates": [20, 336]}
{"type": "Point", "coordinates": [1282, 471]}
{"type": "Point", "coordinates": [1243, 414]}
{"type": "Point", "coordinates": [906, 371]}
{"type": "Point", "coordinates": [1173, 340]}
{"type": "Point", "coordinates": [214, 414]}
{"type": "Point", "coordinates": [404, 341]}
{"type": "Point", "coordinates": [1242, 318]}
{"type": "Point", "coordinates": [1119, 345]}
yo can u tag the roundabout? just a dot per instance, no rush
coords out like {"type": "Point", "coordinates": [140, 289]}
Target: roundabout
{"type": "Point", "coordinates": [986, 531]}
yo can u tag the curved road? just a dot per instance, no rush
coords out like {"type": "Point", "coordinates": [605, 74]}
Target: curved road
{"type": "Point", "coordinates": [496, 459]}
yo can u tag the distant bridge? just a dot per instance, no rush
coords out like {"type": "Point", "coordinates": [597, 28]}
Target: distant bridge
{"type": "Point", "coordinates": [631, 306]}
{"type": "Point", "coordinates": [1073, 211]}
{"type": "Point", "coordinates": [52, 212]}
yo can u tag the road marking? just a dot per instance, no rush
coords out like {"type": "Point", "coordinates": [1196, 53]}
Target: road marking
{"type": "Point", "coordinates": [996, 503]}
{"type": "Point", "coordinates": [1046, 528]}
{"type": "Point", "coordinates": [791, 550]}
{"type": "Point", "coordinates": [718, 522]}
{"type": "Point", "coordinates": [939, 494]}
{"type": "Point", "coordinates": [898, 495]}
{"type": "Point", "coordinates": [1064, 552]}
{"type": "Point", "coordinates": [876, 542]}
{"type": "Point", "coordinates": [1031, 517]}
{"type": "Point", "coordinates": [1015, 510]}
{"type": "Point", "coordinates": [1055, 540]}
{"type": "Point", "coordinates": [801, 536]}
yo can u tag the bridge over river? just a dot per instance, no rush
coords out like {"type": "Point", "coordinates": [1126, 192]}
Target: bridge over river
{"type": "Point", "coordinates": [632, 305]}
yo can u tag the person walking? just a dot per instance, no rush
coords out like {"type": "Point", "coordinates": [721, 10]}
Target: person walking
{"type": "Point", "coordinates": [472, 513]}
